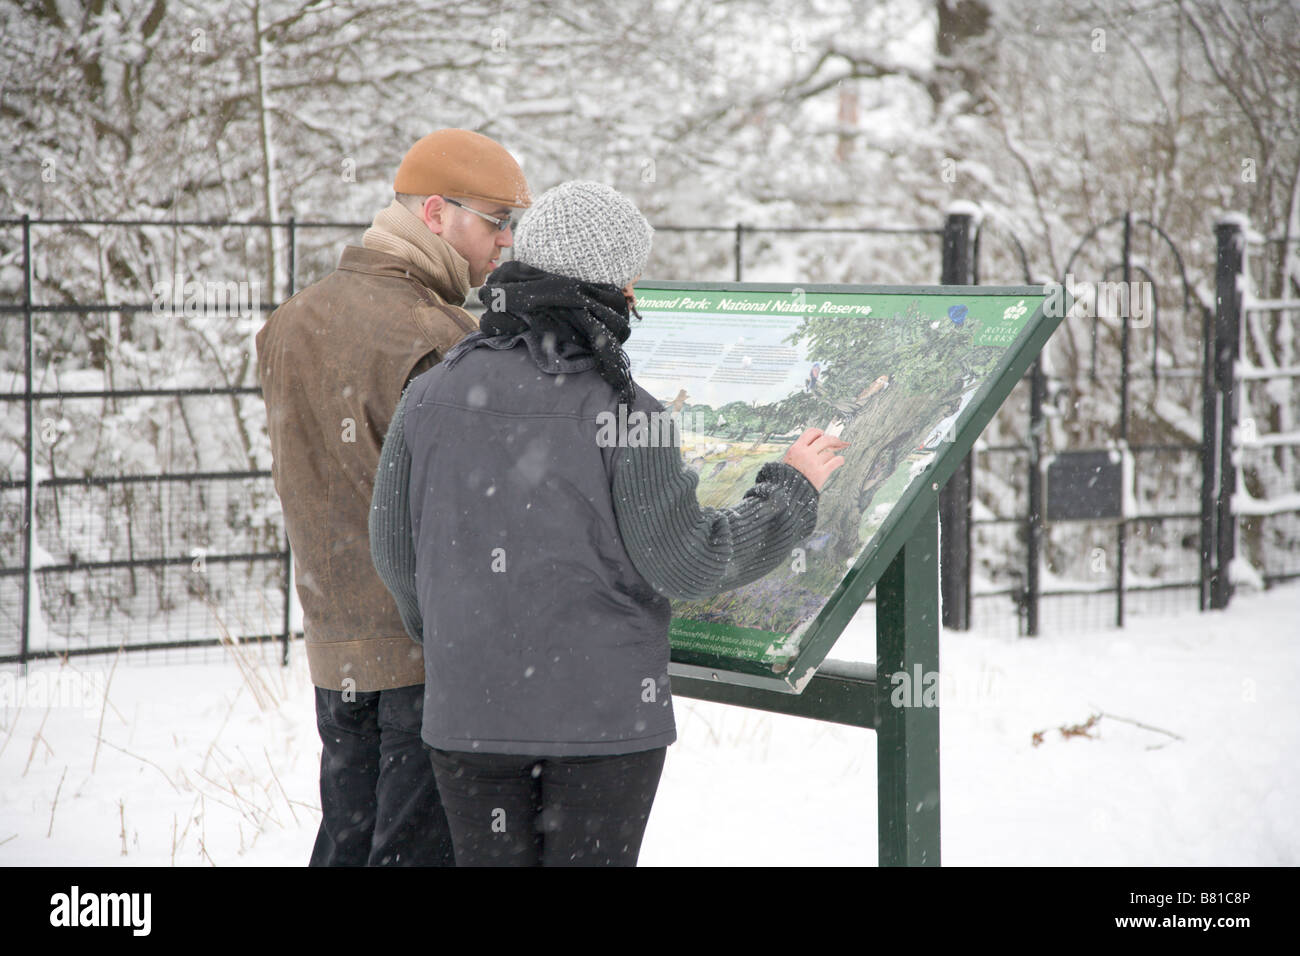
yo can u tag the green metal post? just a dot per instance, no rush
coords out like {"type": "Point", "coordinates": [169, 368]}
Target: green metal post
{"type": "Point", "coordinates": [907, 731]}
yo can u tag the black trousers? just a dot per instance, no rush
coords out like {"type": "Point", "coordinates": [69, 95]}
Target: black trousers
{"type": "Point", "coordinates": [507, 810]}
{"type": "Point", "coordinates": [379, 799]}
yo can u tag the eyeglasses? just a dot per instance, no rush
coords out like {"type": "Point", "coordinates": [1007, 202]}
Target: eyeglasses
{"type": "Point", "coordinates": [501, 224]}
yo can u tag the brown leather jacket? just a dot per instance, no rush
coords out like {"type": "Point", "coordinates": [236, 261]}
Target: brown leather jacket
{"type": "Point", "coordinates": [333, 362]}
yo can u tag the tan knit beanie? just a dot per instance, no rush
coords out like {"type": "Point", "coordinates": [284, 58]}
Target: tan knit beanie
{"type": "Point", "coordinates": [460, 163]}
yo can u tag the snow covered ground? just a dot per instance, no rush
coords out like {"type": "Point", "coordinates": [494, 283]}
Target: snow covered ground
{"type": "Point", "coordinates": [215, 761]}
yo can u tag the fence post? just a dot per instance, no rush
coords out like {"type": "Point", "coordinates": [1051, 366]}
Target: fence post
{"type": "Point", "coordinates": [30, 591]}
{"type": "Point", "coordinates": [1034, 522]}
{"type": "Point", "coordinates": [1121, 529]}
{"type": "Point", "coordinates": [293, 257]}
{"type": "Point", "coordinates": [1229, 273]}
{"type": "Point", "coordinates": [1209, 461]}
{"type": "Point", "coordinates": [288, 552]}
{"type": "Point", "coordinates": [955, 499]}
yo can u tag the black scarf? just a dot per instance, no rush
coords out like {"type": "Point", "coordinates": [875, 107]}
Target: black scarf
{"type": "Point", "coordinates": [594, 316]}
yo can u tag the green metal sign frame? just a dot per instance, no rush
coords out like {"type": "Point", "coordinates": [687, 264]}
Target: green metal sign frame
{"type": "Point", "coordinates": [902, 563]}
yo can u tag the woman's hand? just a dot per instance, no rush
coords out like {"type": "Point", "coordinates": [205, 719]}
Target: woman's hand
{"type": "Point", "coordinates": [813, 454]}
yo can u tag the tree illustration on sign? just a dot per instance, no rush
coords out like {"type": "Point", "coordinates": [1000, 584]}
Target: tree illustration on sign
{"type": "Point", "coordinates": [893, 386]}
{"type": "Point", "coordinates": [889, 381]}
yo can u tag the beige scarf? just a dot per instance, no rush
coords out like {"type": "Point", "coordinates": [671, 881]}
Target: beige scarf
{"type": "Point", "coordinates": [400, 232]}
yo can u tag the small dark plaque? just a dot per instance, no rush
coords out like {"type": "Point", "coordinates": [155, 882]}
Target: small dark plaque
{"type": "Point", "coordinates": [1084, 484]}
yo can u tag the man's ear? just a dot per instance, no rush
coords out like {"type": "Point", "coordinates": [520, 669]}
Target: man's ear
{"type": "Point", "coordinates": [434, 212]}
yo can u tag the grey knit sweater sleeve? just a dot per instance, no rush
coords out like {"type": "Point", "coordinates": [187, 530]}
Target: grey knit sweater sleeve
{"type": "Point", "coordinates": [685, 551]}
{"type": "Point", "coordinates": [392, 548]}
{"type": "Point", "coordinates": [681, 549]}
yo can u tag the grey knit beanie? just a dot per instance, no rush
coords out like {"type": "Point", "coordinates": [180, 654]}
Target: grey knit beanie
{"type": "Point", "coordinates": [586, 231]}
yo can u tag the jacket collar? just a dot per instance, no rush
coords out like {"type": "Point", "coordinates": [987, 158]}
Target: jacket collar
{"type": "Point", "coordinates": [375, 263]}
{"type": "Point", "coordinates": [570, 357]}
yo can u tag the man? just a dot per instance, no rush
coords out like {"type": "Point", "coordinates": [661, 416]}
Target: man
{"type": "Point", "coordinates": [333, 362]}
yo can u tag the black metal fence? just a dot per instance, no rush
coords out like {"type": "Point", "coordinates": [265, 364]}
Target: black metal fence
{"type": "Point", "coordinates": [161, 559]}
{"type": "Point", "coordinates": [1066, 570]}
{"type": "Point", "coordinates": [1171, 542]}
{"type": "Point", "coordinates": [168, 558]}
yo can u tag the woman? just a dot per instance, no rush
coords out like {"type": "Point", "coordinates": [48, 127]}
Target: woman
{"type": "Point", "coordinates": [535, 559]}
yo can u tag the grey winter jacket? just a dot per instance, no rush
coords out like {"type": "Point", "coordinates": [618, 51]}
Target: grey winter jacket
{"type": "Point", "coordinates": [537, 561]}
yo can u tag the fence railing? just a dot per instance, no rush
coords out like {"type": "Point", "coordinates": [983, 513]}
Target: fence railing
{"type": "Point", "coordinates": [241, 586]}
{"type": "Point", "coordinates": [95, 591]}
